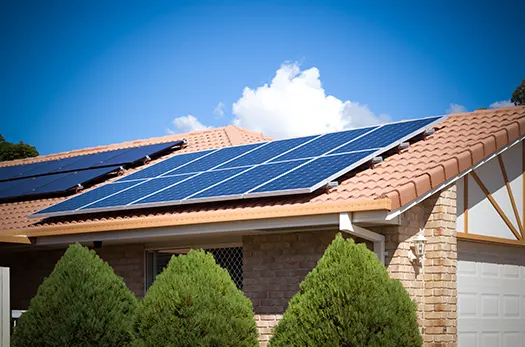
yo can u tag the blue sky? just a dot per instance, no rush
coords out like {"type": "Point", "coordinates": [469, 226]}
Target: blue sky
{"type": "Point", "coordinates": [78, 75]}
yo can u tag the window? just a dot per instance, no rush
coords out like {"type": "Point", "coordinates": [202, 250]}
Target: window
{"type": "Point", "coordinates": [228, 258]}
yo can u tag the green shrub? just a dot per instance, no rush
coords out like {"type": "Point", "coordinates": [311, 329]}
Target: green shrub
{"type": "Point", "coordinates": [349, 300]}
{"type": "Point", "coordinates": [82, 303]}
{"type": "Point", "coordinates": [194, 302]}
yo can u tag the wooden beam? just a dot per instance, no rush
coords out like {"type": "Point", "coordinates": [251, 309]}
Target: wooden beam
{"type": "Point", "coordinates": [496, 206]}
{"type": "Point", "coordinates": [14, 239]}
{"type": "Point", "coordinates": [488, 239]}
{"type": "Point", "coordinates": [465, 204]}
{"type": "Point", "coordinates": [511, 196]}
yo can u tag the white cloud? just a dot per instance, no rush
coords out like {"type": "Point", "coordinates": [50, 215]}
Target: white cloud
{"type": "Point", "coordinates": [501, 103]}
{"type": "Point", "coordinates": [185, 124]}
{"type": "Point", "coordinates": [456, 108]}
{"type": "Point", "coordinates": [295, 104]}
{"type": "Point", "coordinates": [218, 111]}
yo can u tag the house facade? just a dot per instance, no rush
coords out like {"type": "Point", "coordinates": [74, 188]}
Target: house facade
{"type": "Point", "coordinates": [461, 187]}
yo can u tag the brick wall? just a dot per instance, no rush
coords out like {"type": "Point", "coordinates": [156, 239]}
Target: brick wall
{"type": "Point", "coordinates": [127, 262]}
{"type": "Point", "coordinates": [29, 268]}
{"type": "Point", "coordinates": [433, 287]}
{"type": "Point", "coordinates": [274, 265]}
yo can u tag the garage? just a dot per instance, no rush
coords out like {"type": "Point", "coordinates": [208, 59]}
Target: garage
{"type": "Point", "coordinates": [491, 295]}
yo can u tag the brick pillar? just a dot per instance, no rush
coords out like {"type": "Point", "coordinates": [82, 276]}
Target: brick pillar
{"type": "Point", "coordinates": [432, 287]}
{"type": "Point", "coordinates": [440, 314]}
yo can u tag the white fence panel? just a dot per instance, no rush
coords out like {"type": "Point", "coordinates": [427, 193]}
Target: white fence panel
{"type": "Point", "coordinates": [5, 309]}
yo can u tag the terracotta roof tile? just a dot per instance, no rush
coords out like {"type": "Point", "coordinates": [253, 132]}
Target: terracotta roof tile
{"type": "Point", "coordinates": [460, 142]}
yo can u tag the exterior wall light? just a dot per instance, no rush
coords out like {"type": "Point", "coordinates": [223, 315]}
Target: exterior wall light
{"type": "Point", "coordinates": [417, 252]}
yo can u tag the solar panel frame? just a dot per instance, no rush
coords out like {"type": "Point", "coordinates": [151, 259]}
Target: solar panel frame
{"type": "Point", "coordinates": [251, 194]}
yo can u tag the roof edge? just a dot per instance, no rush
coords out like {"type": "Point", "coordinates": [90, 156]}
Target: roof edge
{"type": "Point", "coordinates": [444, 173]}
{"type": "Point", "coordinates": [206, 217]}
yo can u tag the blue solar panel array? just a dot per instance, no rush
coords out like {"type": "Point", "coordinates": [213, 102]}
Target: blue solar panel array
{"type": "Point", "coordinates": [119, 157]}
{"type": "Point", "coordinates": [291, 166]}
{"type": "Point", "coordinates": [63, 175]}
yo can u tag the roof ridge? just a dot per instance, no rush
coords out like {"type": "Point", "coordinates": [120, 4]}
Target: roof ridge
{"type": "Point", "coordinates": [233, 134]}
{"type": "Point", "coordinates": [490, 110]}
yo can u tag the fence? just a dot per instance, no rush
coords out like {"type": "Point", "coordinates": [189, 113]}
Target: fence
{"type": "Point", "coordinates": [5, 310]}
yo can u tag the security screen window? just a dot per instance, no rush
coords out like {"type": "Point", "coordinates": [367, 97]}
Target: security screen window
{"type": "Point", "coordinates": [228, 258]}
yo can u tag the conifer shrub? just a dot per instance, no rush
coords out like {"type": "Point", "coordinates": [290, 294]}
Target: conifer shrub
{"type": "Point", "coordinates": [194, 302]}
{"type": "Point", "coordinates": [82, 303]}
{"type": "Point", "coordinates": [348, 299]}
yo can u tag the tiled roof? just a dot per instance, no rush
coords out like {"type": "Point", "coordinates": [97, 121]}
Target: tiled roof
{"type": "Point", "coordinates": [461, 141]}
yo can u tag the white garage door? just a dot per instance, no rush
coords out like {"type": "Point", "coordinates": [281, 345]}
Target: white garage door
{"type": "Point", "coordinates": [491, 295]}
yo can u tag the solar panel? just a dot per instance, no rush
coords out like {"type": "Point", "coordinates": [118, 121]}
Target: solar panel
{"type": "Point", "coordinates": [189, 187]}
{"type": "Point", "coordinates": [292, 166]}
{"type": "Point", "coordinates": [122, 157]}
{"type": "Point", "coordinates": [16, 171]}
{"type": "Point", "coordinates": [139, 191]}
{"type": "Point", "coordinates": [311, 175]}
{"type": "Point", "coordinates": [52, 183]}
{"type": "Point", "coordinates": [23, 186]}
{"type": "Point", "coordinates": [248, 180]}
{"type": "Point", "coordinates": [138, 153]}
{"type": "Point", "coordinates": [8, 185]}
{"type": "Point", "coordinates": [165, 166]}
{"type": "Point", "coordinates": [268, 151]}
{"type": "Point", "coordinates": [89, 196]}
{"type": "Point", "coordinates": [215, 159]}
{"type": "Point", "coordinates": [323, 144]}
{"type": "Point", "coordinates": [72, 180]}
{"type": "Point", "coordinates": [91, 160]}
{"type": "Point", "coordinates": [383, 136]}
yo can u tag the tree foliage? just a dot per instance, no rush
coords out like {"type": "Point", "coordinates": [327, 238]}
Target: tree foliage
{"type": "Point", "coordinates": [194, 302]}
{"type": "Point", "coordinates": [82, 303]}
{"type": "Point", "coordinates": [12, 151]}
{"type": "Point", "coordinates": [348, 299]}
{"type": "Point", "coordinates": [518, 97]}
